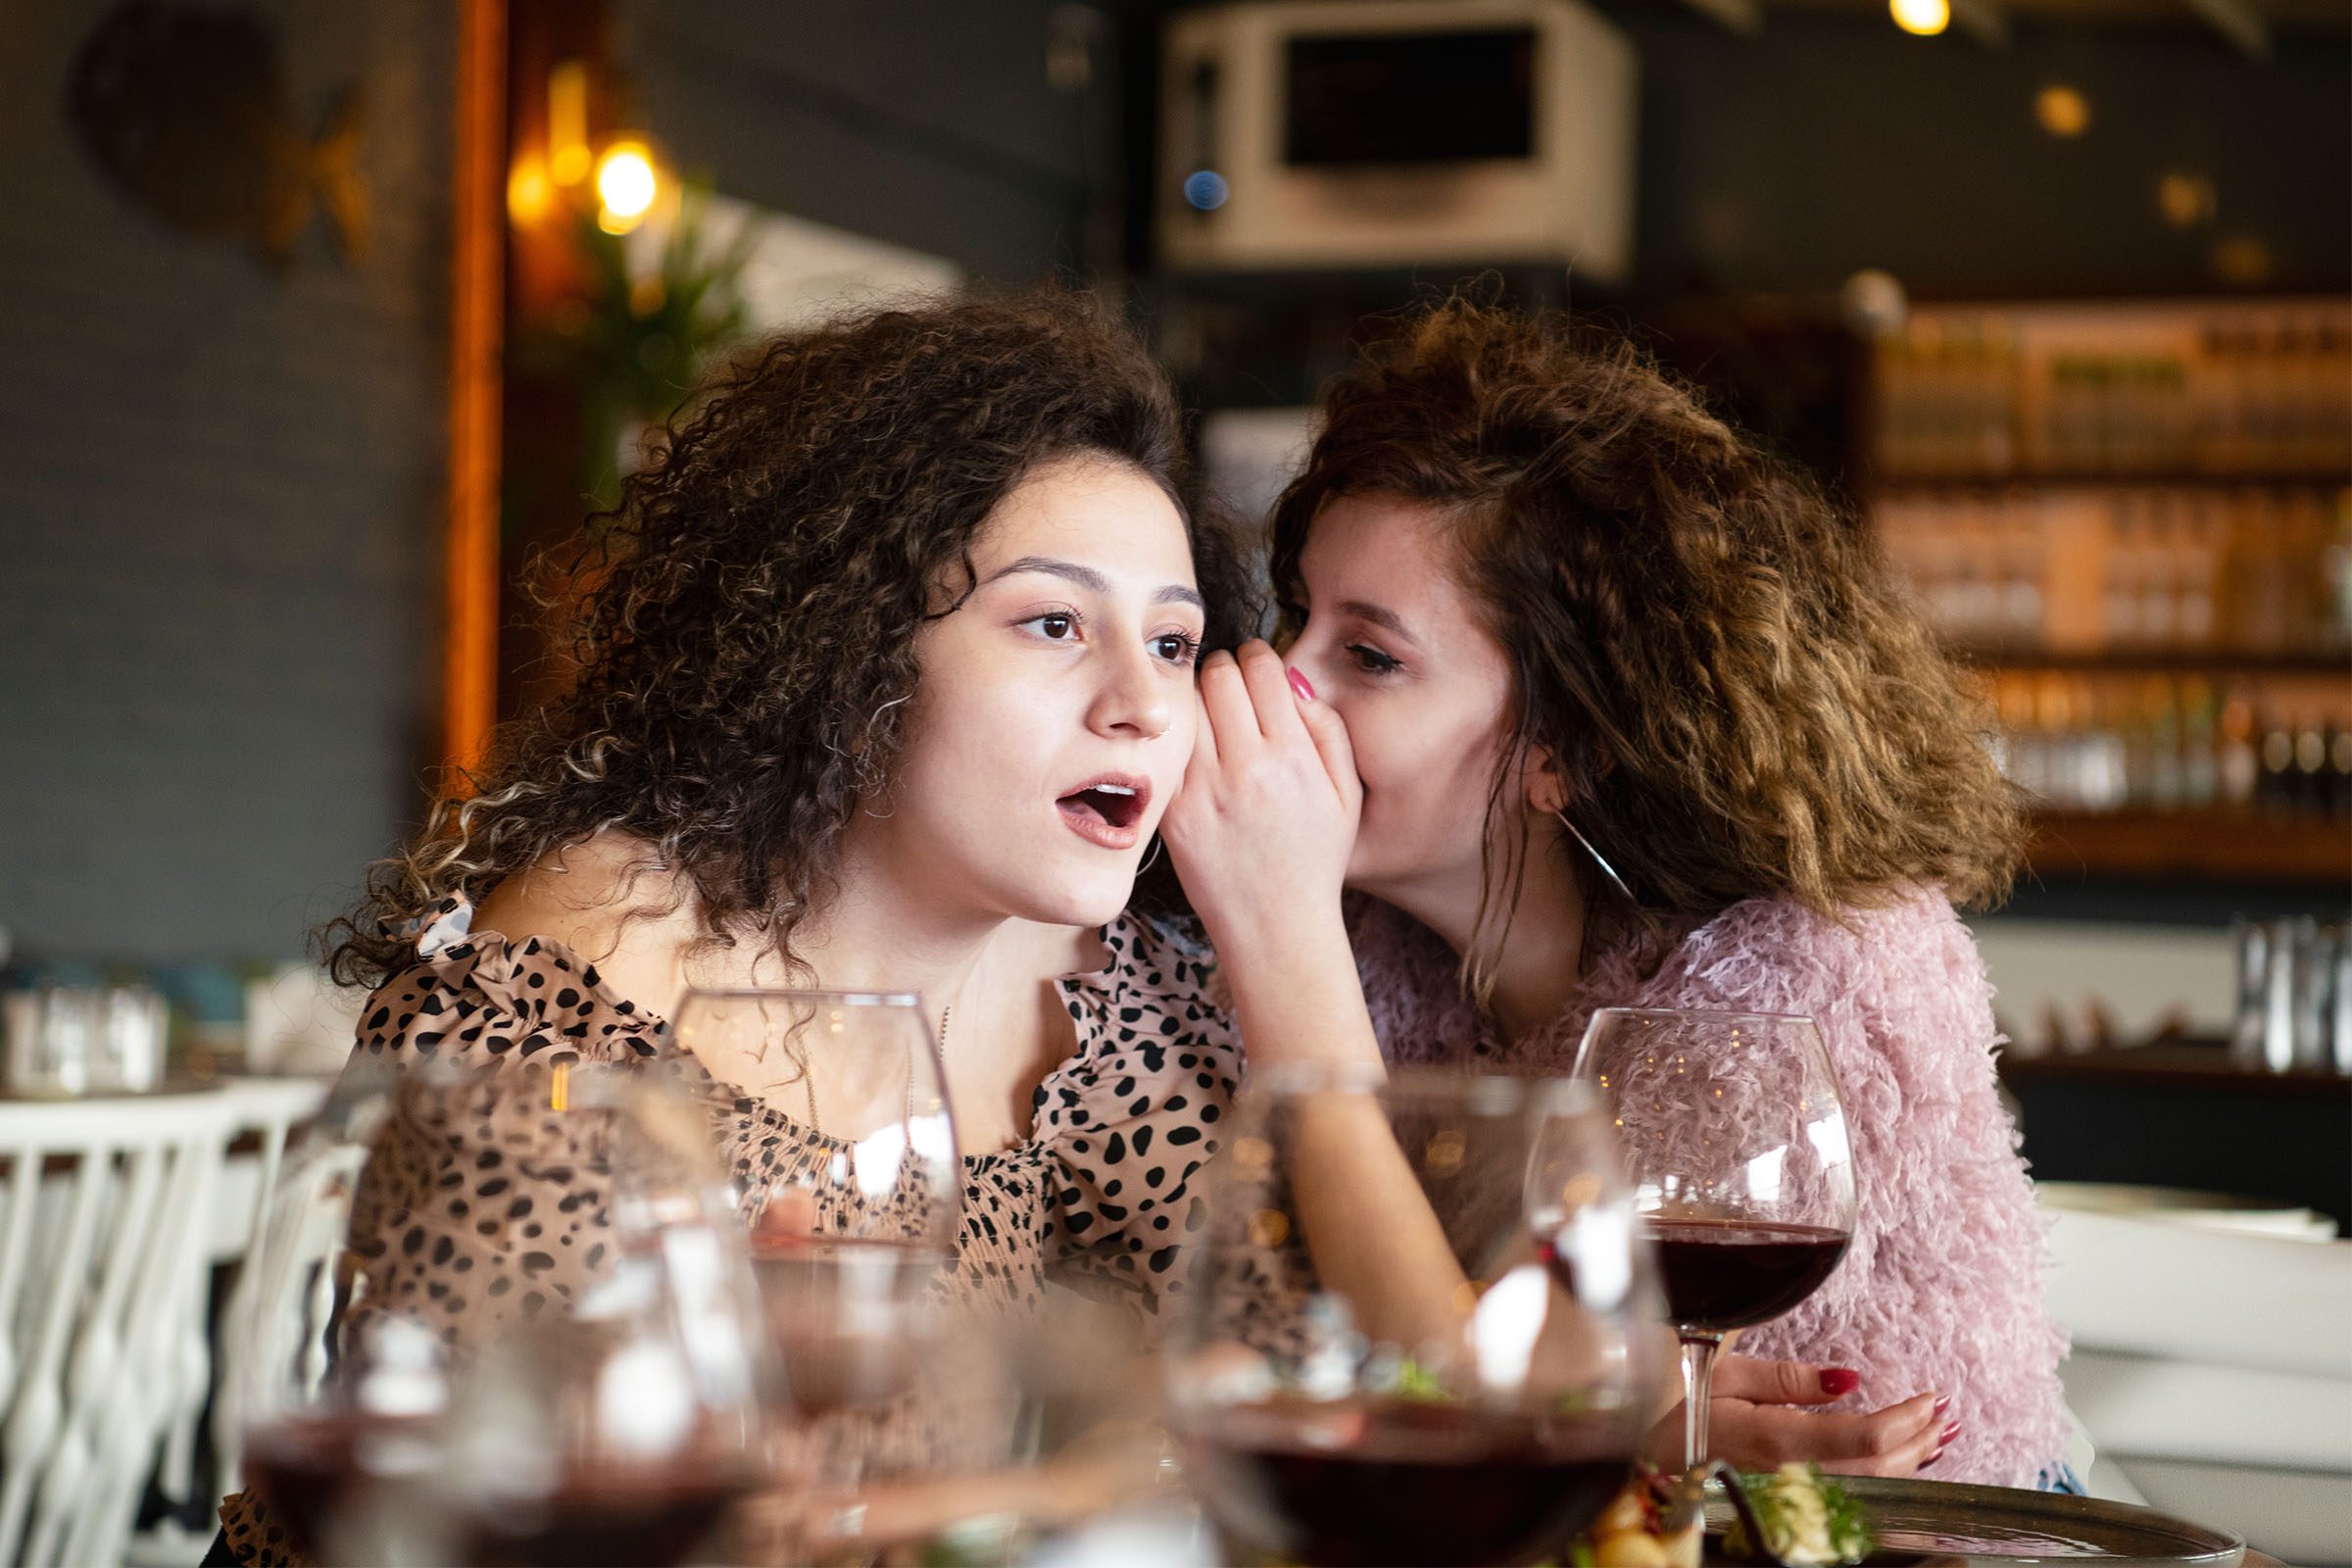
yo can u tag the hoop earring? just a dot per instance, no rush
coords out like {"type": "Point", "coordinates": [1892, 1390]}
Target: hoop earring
{"type": "Point", "coordinates": [1150, 858]}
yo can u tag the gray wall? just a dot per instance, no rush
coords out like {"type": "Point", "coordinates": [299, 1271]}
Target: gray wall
{"type": "Point", "coordinates": [924, 123]}
{"type": "Point", "coordinates": [220, 517]}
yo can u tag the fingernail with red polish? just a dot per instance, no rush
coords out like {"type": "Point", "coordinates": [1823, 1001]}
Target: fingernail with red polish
{"type": "Point", "coordinates": [1301, 685]}
{"type": "Point", "coordinates": [1942, 1403]}
{"type": "Point", "coordinates": [1930, 1458]}
{"type": "Point", "coordinates": [1839, 1380]}
{"type": "Point", "coordinates": [1950, 1432]}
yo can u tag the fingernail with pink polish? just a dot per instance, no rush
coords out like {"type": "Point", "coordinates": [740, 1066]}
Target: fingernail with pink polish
{"type": "Point", "coordinates": [1839, 1380]}
{"type": "Point", "coordinates": [1950, 1432]}
{"type": "Point", "coordinates": [1301, 685]}
{"type": "Point", "coordinates": [1944, 1403]}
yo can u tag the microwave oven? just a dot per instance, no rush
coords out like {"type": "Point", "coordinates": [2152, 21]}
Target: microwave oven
{"type": "Point", "coordinates": [1340, 133]}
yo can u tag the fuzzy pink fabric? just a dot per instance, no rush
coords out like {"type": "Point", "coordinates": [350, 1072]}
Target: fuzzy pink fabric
{"type": "Point", "coordinates": [1942, 1289]}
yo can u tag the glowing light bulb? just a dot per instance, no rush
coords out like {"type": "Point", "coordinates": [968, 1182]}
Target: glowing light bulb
{"type": "Point", "coordinates": [1925, 18]}
{"type": "Point", "coordinates": [2062, 111]}
{"type": "Point", "coordinates": [626, 185]}
{"type": "Point", "coordinates": [530, 192]}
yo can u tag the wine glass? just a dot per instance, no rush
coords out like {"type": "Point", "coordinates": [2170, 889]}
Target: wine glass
{"type": "Point", "coordinates": [853, 1241]}
{"type": "Point", "coordinates": [432, 1208]}
{"type": "Point", "coordinates": [332, 1389]}
{"type": "Point", "coordinates": [1378, 1362]}
{"type": "Point", "coordinates": [1735, 1139]}
{"type": "Point", "coordinates": [623, 1419]}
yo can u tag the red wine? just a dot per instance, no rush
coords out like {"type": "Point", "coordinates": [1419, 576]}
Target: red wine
{"type": "Point", "coordinates": [1398, 1482]}
{"type": "Point", "coordinates": [849, 1315]}
{"type": "Point", "coordinates": [307, 1468]}
{"type": "Point", "coordinates": [1721, 1275]}
{"type": "Point", "coordinates": [647, 1519]}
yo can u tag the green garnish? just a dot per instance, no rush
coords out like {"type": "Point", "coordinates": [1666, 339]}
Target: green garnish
{"type": "Point", "coordinates": [1416, 1381]}
{"type": "Point", "coordinates": [1808, 1517]}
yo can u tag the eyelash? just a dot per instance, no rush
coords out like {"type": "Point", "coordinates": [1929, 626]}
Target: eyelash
{"type": "Point", "coordinates": [1372, 661]}
{"type": "Point", "coordinates": [1187, 646]}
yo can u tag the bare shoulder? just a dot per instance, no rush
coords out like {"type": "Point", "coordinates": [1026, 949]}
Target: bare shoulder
{"type": "Point", "coordinates": [604, 899]}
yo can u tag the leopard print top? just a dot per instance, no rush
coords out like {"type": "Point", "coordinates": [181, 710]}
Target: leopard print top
{"type": "Point", "coordinates": [1102, 1195]}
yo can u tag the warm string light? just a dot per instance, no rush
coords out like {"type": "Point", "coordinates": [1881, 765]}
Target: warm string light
{"type": "Point", "coordinates": [626, 185]}
{"type": "Point", "coordinates": [1925, 18]}
{"type": "Point", "coordinates": [624, 176]}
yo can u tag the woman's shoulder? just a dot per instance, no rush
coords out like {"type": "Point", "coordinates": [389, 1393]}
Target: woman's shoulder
{"type": "Point", "coordinates": [1158, 984]}
{"type": "Point", "coordinates": [1777, 948]}
{"type": "Point", "coordinates": [475, 994]}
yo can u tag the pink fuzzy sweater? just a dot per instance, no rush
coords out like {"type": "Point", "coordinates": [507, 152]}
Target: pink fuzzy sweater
{"type": "Point", "coordinates": [1942, 1287]}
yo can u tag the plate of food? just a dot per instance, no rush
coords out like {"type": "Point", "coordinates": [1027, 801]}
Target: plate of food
{"type": "Point", "coordinates": [1802, 1518]}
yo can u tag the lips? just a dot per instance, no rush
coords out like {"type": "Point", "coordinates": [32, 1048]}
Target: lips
{"type": "Point", "coordinates": [1108, 809]}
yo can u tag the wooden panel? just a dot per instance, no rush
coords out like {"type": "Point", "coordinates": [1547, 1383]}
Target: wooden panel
{"type": "Point", "coordinates": [477, 287]}
{"type": "Point", "coordinates": [2203, 843]}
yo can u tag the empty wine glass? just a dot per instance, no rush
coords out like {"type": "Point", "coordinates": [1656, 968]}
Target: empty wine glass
{"type": "Point", "coordinates": [1379, 1363]}
{"type": "Point", "coordinates": [1734, 1139]}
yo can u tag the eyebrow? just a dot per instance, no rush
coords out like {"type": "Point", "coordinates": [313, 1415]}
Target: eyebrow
{"type": "Point", "coordinates": [1378, 615]}
{"type": "Point", "coordinates": [1090, 580]}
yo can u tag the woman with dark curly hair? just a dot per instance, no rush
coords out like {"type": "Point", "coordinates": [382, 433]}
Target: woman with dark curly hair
{"type": "Point", "coordinates": [1590, 702]}
{"type": "Point", "coordinates": [885, 682]}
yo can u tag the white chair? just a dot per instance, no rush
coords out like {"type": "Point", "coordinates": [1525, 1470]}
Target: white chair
{"type": "Point", "coordinates": [2213, 1368]}
{"type": "Point", "coordinates": [261, 1112]}
{"type": "Point", "coordinates": [106, 1215]}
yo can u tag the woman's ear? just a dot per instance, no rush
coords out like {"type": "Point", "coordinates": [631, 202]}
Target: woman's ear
{"type": "Point", "coordinates": [1543, 780]}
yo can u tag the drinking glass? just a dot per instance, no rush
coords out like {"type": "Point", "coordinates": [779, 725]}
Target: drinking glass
{"type": "Point", "coordinates": [853, 1241]}
{"type": "Point", "coordinates": [1734, 1139]}
{"type": "Point", "coordinates": [331, 1391]}
{"type": "Point", "coordinates": [1381, 1360]}
{"type": "Point", "coordinates": [612, 1338]}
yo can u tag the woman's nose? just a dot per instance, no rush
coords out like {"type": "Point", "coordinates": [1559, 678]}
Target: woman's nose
{"type": "Point", "coordinates": [1133, 698]}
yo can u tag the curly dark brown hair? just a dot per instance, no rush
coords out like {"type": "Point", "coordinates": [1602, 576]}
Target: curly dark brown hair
{"type": "Point", "coordinates": [1741, 703]}
{"type": "Point", "coordinates": [746, 656]}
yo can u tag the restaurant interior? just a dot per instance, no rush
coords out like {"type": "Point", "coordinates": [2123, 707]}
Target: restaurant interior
{"type": "Point", "coordinates": [329, 327]}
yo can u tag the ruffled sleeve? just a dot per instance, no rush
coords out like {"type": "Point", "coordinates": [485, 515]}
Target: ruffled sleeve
{"type": "Point", "coordinates": [1131, 1120]}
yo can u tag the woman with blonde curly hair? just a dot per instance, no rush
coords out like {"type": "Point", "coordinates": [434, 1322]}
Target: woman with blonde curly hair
{"type": "Point", "coordinates": [1590, 702]}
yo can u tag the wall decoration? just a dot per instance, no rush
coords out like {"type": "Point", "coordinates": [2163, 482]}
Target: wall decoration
{"type": "Point", "coordinates": [187, 109]}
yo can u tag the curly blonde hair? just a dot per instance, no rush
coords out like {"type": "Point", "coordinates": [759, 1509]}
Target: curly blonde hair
{"type": "Point", "coordinates": [1741, 703]}
{"type": "Point", "coordinates": [746, 658]}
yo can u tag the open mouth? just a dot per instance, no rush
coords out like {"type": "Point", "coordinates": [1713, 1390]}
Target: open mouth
{"type": "Point", "coordinates": [1106, 809]}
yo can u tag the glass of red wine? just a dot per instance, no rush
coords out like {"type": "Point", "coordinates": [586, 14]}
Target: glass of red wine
{"type": "Point", "coordinates": [626, 1426]}
{"type": "Point", "coordinates": [333, 1387]}
{"type": "Point", "coordinates": [1734, 1139]}
{"type": "Point", "coordinates": [1378, 1362]}
{"type": "Point", "coordinates": [852, 1240]}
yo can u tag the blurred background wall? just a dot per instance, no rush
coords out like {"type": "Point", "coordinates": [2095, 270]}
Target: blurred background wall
{"type": "Point", "coordinates": [219, 526]}
{"type": "Point", "coordinates": [220, 583]}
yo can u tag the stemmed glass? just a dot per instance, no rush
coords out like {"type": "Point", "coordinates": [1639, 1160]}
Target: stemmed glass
{"type": "Point", "coordinates": [331, 1388]}
{"type": "Point", "coordinates": [626, 1428]}
{"type": "Point", "coordinates": [854, 1239]}
{"type": "Point", "coordinates": [1378, 1362]}
{"type": "Point", "coordinates": [1734, 1139]}
{"type": "Point", "coordinates": [491, 1305]}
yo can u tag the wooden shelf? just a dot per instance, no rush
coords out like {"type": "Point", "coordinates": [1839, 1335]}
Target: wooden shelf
{"type": "Point", "coordinates": [2059, 480]}
{"type": "Point", "coordinates": [2154, 661]}
{"type": "Point", "coordinates": [2201, 844]}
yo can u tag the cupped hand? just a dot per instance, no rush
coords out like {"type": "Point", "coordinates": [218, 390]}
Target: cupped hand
{"type": "Point", "coordinates": [1765, 1414]}
{"type": "Point", "coordinates": [1261, 830]}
